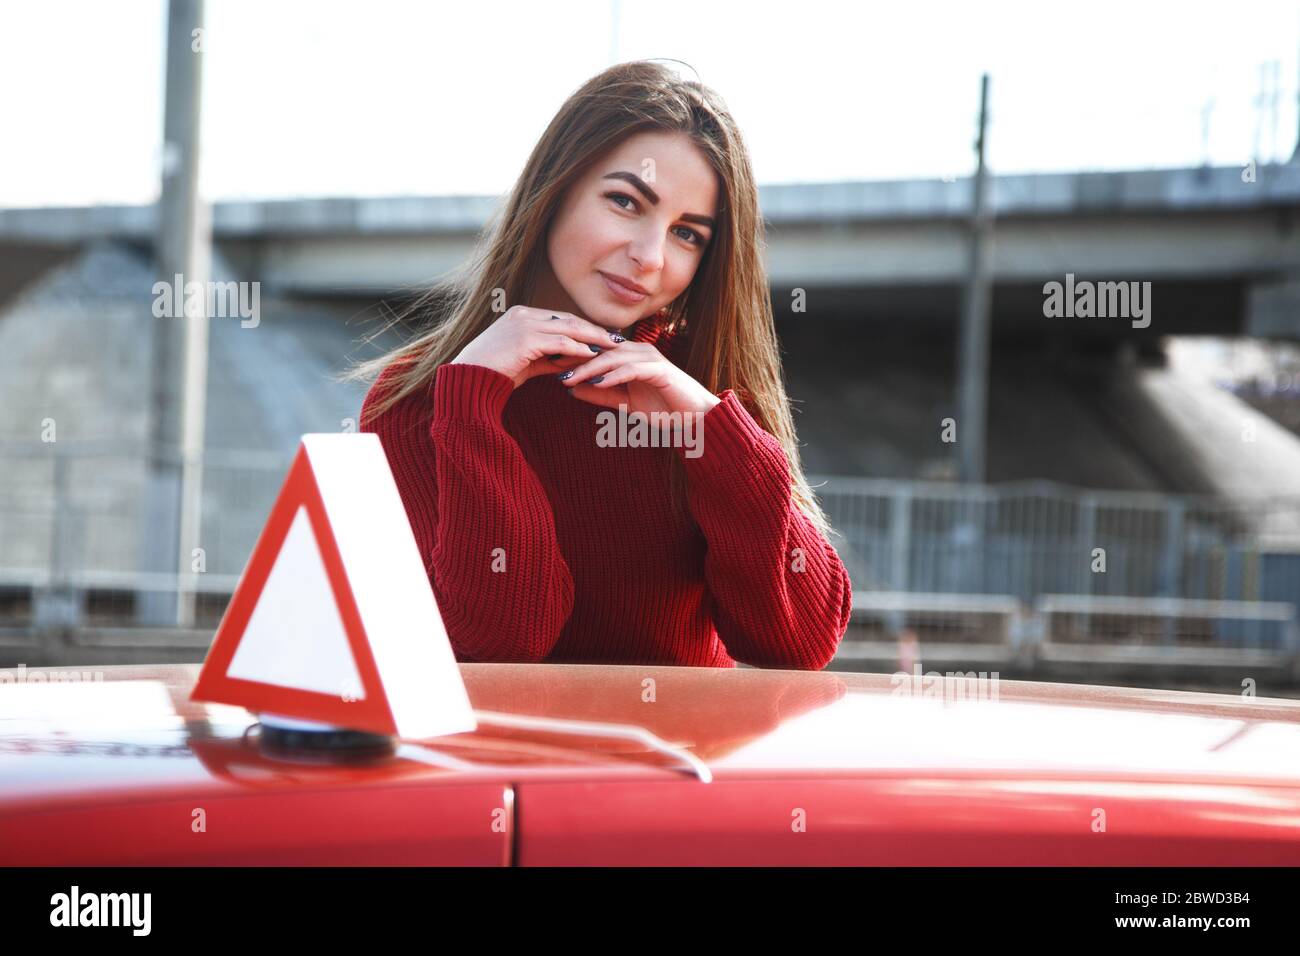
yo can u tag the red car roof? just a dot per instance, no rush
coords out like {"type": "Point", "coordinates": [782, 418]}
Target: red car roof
{"type": "Point", "coordinates": [137, 727]}
{"type": "Point", "coordinates": [887, 752]}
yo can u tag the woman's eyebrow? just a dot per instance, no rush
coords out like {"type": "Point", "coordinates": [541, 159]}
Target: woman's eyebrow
{"type": "Point", "coordinates": [653, 196]}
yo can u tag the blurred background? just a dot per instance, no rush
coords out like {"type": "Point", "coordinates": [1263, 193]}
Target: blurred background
{"type": "Point", "coordinates": [1105, 498]}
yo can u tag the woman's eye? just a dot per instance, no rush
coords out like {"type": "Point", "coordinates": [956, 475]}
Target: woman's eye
{"type": "Point", "coordinates": [693, 237]}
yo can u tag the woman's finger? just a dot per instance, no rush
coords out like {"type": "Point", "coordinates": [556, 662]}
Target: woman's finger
{"type": "Point", "coordinates": [576, 327]}
{"type": "Point", "coordinates": [558, 351]}
{"type": "Point", "coordinates": [615, 369]}
{"type": "Point", "coordinates": [561, 345]}
{"type": "Point", "coordinates": [628, 372]}
{"type": "Point", "coordinates": [598, 395]}
{"type": "Point", "coordinates": [606, 361]}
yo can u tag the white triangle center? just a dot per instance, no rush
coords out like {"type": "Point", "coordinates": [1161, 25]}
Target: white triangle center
{"type": "Point", "coordinates": [295, 636]}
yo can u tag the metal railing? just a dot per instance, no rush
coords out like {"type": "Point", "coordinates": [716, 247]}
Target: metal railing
{"type": "Point", "coordinates": [1027, 540]}
{"type": "Point", "coordinates": [73, 526]}
{"type": "Point", "coordinates": [1014, 567]}
{"type": "Point", "coordinates": [1021, 571]}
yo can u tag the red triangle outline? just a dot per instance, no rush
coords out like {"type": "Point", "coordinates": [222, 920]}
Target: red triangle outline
{"type": "Point", "coordinates": [371, 712]}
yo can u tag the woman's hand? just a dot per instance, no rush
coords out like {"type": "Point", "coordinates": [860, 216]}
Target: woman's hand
{"type": "Point", "coordinates": [638, 375]}
{"type": "Point", "coordinates": [526, 342]}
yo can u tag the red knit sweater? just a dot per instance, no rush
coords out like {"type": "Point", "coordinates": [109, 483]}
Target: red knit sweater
{"type": "Point", "coordinates": [541, 545]}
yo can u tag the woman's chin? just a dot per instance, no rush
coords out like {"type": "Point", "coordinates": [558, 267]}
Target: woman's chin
{"type": "Point", "coordinates": [615, 319]}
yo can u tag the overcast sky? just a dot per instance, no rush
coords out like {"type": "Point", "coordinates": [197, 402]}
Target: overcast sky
{"type": "Point", "coordinates": [384, 97]}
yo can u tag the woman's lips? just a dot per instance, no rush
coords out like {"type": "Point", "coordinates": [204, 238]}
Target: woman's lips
{"type": "Point", "coordinates": [622, 292]}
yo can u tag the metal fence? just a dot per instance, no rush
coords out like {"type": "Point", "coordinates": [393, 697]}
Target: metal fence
{"type": "Point", "coordinates": [1010, 567]}
{"type": "Point", "coordinates": [1022, 570]}
{"type": "Point", "coordinates": [1043, 538]}
{"type": "Point", "coordinates": [73, 525]}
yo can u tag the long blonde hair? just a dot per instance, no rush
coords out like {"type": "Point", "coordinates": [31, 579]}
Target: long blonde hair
{"type": "Point", "coordinates": [727, 308]}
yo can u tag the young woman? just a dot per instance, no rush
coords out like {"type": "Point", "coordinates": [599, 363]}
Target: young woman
{"type": "Point", "coordinates": [624, 278]}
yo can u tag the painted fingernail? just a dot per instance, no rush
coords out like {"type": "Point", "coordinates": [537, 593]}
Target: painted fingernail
{"type": "Point", "coordinates": [553, 358]}
{"type": "Point", "coordinates": [616, 337]}
{"type": "Point", "coordinates": [565, 376]}
{"type": "Point", "coordinates": [555, 317]}
{"type": "Point", "coordinates": [594, 348]}
{"type": "Point", "coordinates": [597, 380]}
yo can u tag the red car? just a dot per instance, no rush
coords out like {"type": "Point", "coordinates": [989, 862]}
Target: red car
{"type": "Point", "coordinates": [668, 765]}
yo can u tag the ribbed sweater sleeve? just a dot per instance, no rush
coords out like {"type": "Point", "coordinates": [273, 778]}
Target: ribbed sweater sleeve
{"type": "Point", "coordinates": [482, 521]}
{"type": "Point", "coordinates": [781, 595]}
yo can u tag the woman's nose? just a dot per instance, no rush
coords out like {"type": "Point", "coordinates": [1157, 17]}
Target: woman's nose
{"type": "Point", "coordinates": [648, 254]}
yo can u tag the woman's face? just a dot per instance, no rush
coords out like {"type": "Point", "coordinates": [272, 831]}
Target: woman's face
{"type": "Point", "coordinates": [644, 214]}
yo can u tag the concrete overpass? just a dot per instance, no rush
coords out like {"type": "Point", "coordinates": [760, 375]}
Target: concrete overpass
{"type": "Point", "coordinates": [1223, 253]}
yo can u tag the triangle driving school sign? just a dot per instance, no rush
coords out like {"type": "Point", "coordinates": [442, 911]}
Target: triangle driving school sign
{"type": "Point", "coordinates": [334, 619]}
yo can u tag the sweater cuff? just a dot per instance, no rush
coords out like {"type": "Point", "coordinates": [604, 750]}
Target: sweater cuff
{"type": "Point", "coordinates": [469, 392]}
{"type": "Point", "coordinates": [733, 445]}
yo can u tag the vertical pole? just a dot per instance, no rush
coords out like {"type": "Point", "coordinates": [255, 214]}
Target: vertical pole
{"type": "Point", "coordinates": [900, 554]}
{"type": "Point", "coordinates": [1207, 111]}
{"type": "Point", "coordinates": [1085, 542]}
{"type": "Point", "coordinates": [1295, 153]}
{"type": "Point", "coordinates": [1274, 101]}
{"type": "Point", "coordinates": [194, 411]}
{"type": "Point", "coordinates": [972, 402]}
{"type": "Point", "coordinates": [900, 537]}
{"type": "Point", "coordinates": [1171, 569]}
{"type": "Point", "coordinates": [58, 603]}
{"type": "Point", "coordinates": [178, 345]}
